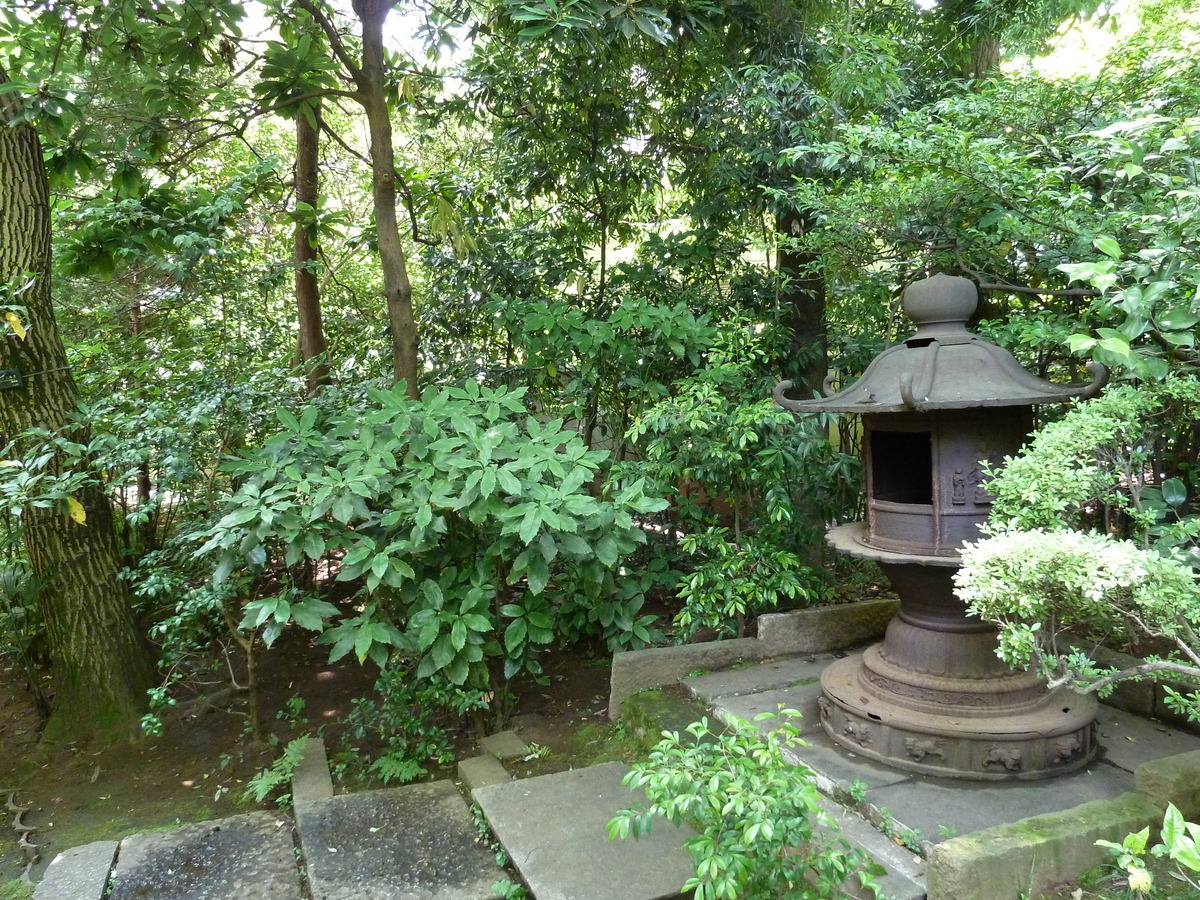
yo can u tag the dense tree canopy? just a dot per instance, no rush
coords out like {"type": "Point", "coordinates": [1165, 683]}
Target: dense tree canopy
{"type": "Point", "coordinates": [587, 238]}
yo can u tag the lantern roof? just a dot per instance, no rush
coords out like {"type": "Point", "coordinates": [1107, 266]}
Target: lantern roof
{"type": "Point", "coordinates": [943, 365]}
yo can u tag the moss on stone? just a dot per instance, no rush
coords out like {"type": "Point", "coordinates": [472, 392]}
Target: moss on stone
{"type": "Point", "coordinates": [649, 713]}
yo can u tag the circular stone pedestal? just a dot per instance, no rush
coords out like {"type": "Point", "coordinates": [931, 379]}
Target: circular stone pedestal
{"type": "Point", "coordinates": [1051, 736]}
{"type": "Point", "coordinates": [934, 697]}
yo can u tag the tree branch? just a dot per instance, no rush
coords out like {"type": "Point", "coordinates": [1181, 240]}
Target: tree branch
{"type": "Point", "coordinates": [1145, 668]}
{"type": "Point", "coordinates": [1041, 292]}
{"type": "Point", "coordinates": [335, 38]}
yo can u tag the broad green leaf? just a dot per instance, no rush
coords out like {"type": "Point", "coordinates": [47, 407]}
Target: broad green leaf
{"type": "Point", "coordinates": [458, 635]}
{"type": "Point", "coordinates": [1174, 492]}
{"type": "Point", "coordinates": [537, 574]}
{"type": "Point", "coordinates": [514, 635]}
{"type": "Point", "coordinates": [1179, 318]}
{"type": "Point", "coordinates": [288, 420]}
{"type": "Point", "coordinates": [1108, 246]}
{"type": "Point", "coordinates": [443, 652]}
{"type": "Point", "coordinates": [606, 550]}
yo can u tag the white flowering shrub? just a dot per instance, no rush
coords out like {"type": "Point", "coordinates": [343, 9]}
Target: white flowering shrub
{"type": "Point", "coordinates": [1034, 584]}
{"type": "Point", "coordinates": [1093, 531]}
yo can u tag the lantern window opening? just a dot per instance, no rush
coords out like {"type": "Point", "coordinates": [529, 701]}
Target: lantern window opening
{"type": "Point", "coordinates": [902, 466]}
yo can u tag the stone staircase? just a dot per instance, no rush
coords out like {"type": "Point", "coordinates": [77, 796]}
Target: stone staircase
{"type": "Point", "coordinates": [418, 842]}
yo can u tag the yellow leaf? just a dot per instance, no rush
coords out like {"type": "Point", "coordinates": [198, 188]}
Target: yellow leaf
{"type": "Point", "coordinates": [15, 323]}
{"type": "Point", "coordinates": [77, 511]}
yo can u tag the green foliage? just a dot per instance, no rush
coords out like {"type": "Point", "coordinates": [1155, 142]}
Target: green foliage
{"type": "Point", "coordinates": [22, 631]}
{"type": "Point", "coordinates": [1054, 561]}
{"type": "Point", "coordinates": [736, 580]}
{"type": "Point", "coordinates": [278, 774]}
{"type": "Point", "coordinates": [508, 889]}
{"type": "Point", "coordinates": [1127, 857]}
{"type": "Point", "coordinates": [762, 832]}
{"type": "Point", "coordinates": [1178, 844]}
{"type": "Point", "coordinates": [458, 514]}
{"type": "Point", "coordinates": [16, 890]}
{"type": "Point", "coordinates": [721, 436]}
{"type": "Point", "coordinates": [404, 719]}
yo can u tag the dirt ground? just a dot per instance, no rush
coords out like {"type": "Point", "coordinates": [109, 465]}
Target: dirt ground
{"type": "Point", "coordinates": [199, 768]}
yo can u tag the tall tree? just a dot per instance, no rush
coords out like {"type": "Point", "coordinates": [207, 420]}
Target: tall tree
{"type": "Point", "coordinates": [102, 666]}
{"type": "Point", "coordinates": [304, 254]}
{"type": "Point", "coordinates": [369, 74]}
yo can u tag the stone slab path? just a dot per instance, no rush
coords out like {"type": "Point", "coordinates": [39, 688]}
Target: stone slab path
{"type": "Point", "coordinates": [418, 842]}
{"type": "Point", "coordinates": [410, 843]}
{"type": "Point", "coordinates": [554, 830]}
{"type": "Point", "coordinates": [421, 842]}
{"type": "Point", "coordinates": [249, 857]}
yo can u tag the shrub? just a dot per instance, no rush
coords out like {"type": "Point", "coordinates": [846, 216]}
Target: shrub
{"type": "Point", "coordinates": [762, 831]}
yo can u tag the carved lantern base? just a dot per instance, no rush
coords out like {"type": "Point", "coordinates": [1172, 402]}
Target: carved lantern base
{"type": "Point", "coordinates": [934, 698]}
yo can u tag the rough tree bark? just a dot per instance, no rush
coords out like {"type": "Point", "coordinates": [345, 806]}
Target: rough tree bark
{"type": "Point", "coordinates": [304, 256]}
{"type": "Point", "coordinates": [101, 664]}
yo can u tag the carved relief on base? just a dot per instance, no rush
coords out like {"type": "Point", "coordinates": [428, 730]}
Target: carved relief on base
{"type": "Point", "coordinates": [998, 757]}
{"type": "Point", "coordinates": [1066, 748]}
{"type": "Point", "coordinates": [858, 732]}
{"type": "Point", "coordinates": [919, 748]}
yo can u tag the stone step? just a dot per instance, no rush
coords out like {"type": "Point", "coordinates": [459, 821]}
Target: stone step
{"type": "Point", "coordinates": [553, 828]}
{"type": "Point", "coordinates": [80, 873]}
{"type": "Point", "coordinates": [417, 841]}
{"type": "Point", "coordinates": [247, 857]}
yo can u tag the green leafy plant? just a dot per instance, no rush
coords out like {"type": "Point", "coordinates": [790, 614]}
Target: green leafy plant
{"type": "Point", "coordinates": [403, 723]}
{"type": "Point", "coordinates": [762, 831]}
{"type": "Point", "coordinates": [1128, 860]}
{"type": "Point", "coordinates": [278, 774]}
{"type": "Point", "coordinates": [1091, 531]}
{"type": "Point", "coordinates": [457, 514]}
{"type": "Point", "coordinates": [734, 581]}
{"type": "Point", "coordinates": [508, 889]}
{"type": "Point", "coordinates": [22, 631]}
{"type": "Point", "coordinates": [858, 790]}
{"type": "Point", "coordinates": [1179, 844]}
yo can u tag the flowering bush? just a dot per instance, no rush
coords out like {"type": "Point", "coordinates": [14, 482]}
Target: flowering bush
{"type": "Point", "coordinates": [1034, 584]}
{"type": "Point", "coordinates": [1093, 530]}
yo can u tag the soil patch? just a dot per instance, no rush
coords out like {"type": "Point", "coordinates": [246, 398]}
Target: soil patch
{"type": "Point", "coordinates": [199, 767]}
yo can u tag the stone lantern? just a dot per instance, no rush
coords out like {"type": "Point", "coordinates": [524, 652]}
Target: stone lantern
{"type": "Point", "coordinates": [933, 697]}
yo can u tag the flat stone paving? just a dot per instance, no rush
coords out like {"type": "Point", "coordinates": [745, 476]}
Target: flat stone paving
{"type": "Point", "coordinates": [938, 808]}
{"type": "Point", "coordinates": [80, 873]}
{"type": "Point", "coordinates": [553, 828]}
{"type": "Point", "coordinates": [409, 843]}
{"type": "Point", "coordinates": [248, 857]}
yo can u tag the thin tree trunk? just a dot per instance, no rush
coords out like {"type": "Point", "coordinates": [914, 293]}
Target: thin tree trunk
{"type": "Point", "coordinates": [804, 299]}
{"type": "Point", "coordinates": [102, 666]}
{"type": "Point", "coordinates": [396, 285]}
{"type": "Point", "coordinates": [304, 255]}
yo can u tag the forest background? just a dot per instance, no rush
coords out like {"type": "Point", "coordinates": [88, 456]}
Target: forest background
{"type": "Point", "coordinates": [455, 345]}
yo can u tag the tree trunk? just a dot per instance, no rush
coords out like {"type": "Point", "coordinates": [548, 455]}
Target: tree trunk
{"type": "Point", "coordinates": [304, 256]}
{"type": "Point", "coordinates": [804, 300]}
{"type": "Point", "coordinates": [396, 286]}
{"type": "Point", "coordinates": [101, 664]}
